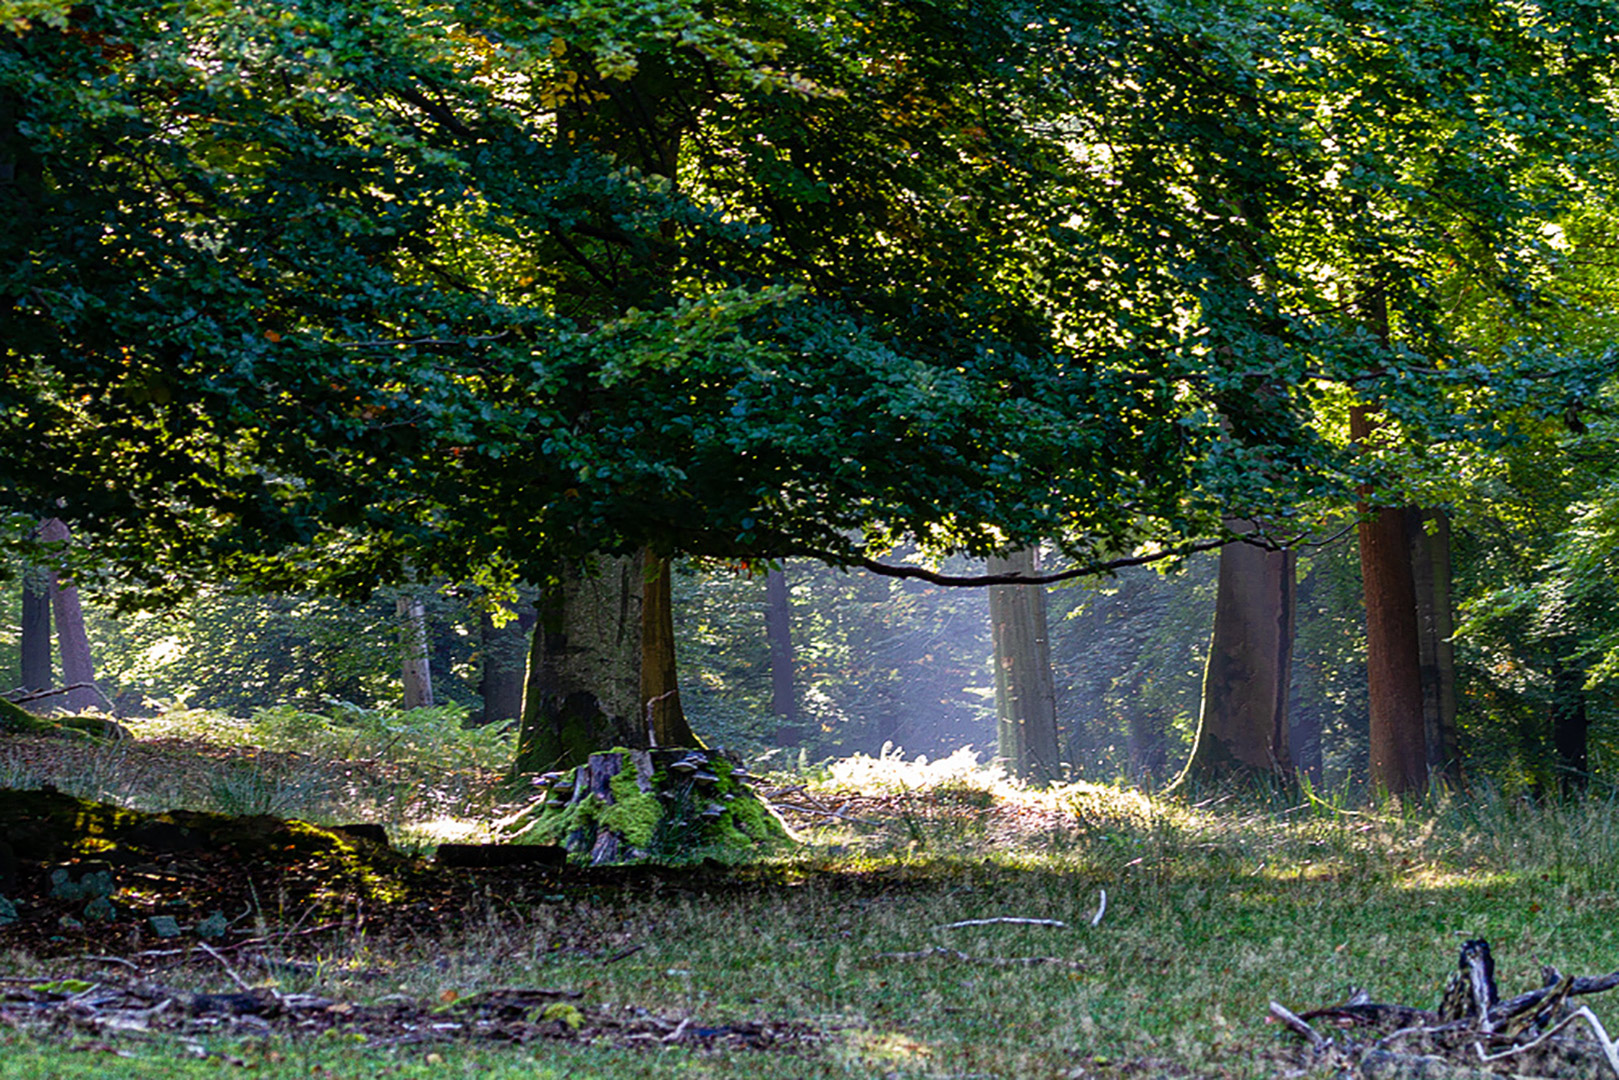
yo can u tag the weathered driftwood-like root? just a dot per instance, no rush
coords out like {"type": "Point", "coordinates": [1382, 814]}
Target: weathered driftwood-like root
{"type": "Point", "coordinates": [1472, 1034]}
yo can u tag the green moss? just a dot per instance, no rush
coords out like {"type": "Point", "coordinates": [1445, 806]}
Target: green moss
{"type": "Point", "coordinates": [19, 721]}
{"type": "Point", "coordinates": [667, 823]}
{"type": "Point", "coordinates": [634, 813]}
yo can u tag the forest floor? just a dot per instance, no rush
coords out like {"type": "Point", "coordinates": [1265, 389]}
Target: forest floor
{"type": "Point", "coordinates": [289, 950]}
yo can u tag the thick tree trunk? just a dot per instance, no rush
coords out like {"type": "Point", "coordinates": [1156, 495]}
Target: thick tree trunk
{"type": "Point", "coordinates": [35, 645]}
{"type": "Point", "coordinates": [779, 633]}
{"type": "Point", "coordinates": [1398, 735]}
{"type": "Point", "coordinates": [1570, 725]}
{"type": "Point", "coordinates": [500, 682]}
{"type": "Point", "coordinates": [1243, 726]}
{"type": "Point", "coordinates": [72, 642]}
{"type": "Point", "coordinates": [1430, 576]}
{"type": "Point", "coordinates": [1025, 693]}
{"type": "Point", "coordinates": [583, 691]}
{"type": "Point", "coordinates": [660, 686]}
{"type": "Point", "coordinates": [416, 670]}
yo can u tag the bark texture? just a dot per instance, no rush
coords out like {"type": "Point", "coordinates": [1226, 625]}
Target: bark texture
{"type": "Point", "coordinates": [1243, 726]}
{"type": "Point", "coordinates": [660, 685]}
{"type": "Point", "coordinates": [35, 645]}
{"type": "Point", "coordinates": [416, 670]}
{"type": "Point", "coordinates": [584, 671]}
{"type": "Point", "coordinates": [1398, 726]}
{"type": "Point", "coordinates": [1025, 694]}
{"type": "Point", "coordinates": [779, 633]}
{"type": "Point", "coordinates": [73, 644]}
{"type": "Point", "coordinates": [1431, 582]}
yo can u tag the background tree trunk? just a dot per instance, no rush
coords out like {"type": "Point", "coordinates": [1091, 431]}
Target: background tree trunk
{"type": "Point", "coordinates": [1430, 577]}
{"type": "Point", "coordinates": [416, 670]}
{"type": "Point", "coordinates": [1243, 723]}
{"type": "Point", "coordinates": [72, 642]}
{"type": "Point", "coordinates": [660, 685]}
{"type": "Point", "coordinates": [1025, 693]}
{"type": "Point", "coordinates": [583, 691]}
{"type": "Point", "coordinates": [502, 652]}
{"type": "Point", "coordinates": [35, 644]}
{"type": "Point", "coordinates": [1570, 724]}
{"type": "Point", "coordinates": [779, 633]}
{"type": "Point", "coordinates": [1398, 729]}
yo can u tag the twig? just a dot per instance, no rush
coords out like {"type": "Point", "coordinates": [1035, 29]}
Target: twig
{"type": "Point", "coordinates": [827, 813]}
{"type": "Point", "coordinates": [1609, 1050]}
{"type": "Point", "coordinates": [234, 977]}
{"type": "Point", "coordinates": [631, 951]}
{"type": "Point", "coordinates": [1004, 920]}
{"type": "Point", "coordinates": [1298, 1026]}
{"type": "Point", "coordinates": [110, 960]}
{"type": "Point", "coordinates": [1101, 909]}
{"type": "Point", "coordinates": [674, 1036]}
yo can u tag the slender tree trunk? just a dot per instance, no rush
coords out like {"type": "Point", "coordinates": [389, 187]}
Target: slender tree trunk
{"type": "Point", "coordinates": [416, 669]}
{"type": "Point", "coordinates": [35, 645]}
{"type": "Point", "coordinates": [1430, 576]}
{"type": "Point", "coordinates": [1025, 692]}
{"type": "Point", "coordinates": [779, 632]}
{"type": "Point", "coordinates": [1570, 725]}
{"type": "Point", "coordinates": [660, 686]}
{"type": "Point", "coordinates": [1243, 726]}
{"type": "Point", "coordinates": [583, 691]}
{"type": "Point", "coordinates": [72, 642]}
{"type": "Point", "coordinates": [500, 682]}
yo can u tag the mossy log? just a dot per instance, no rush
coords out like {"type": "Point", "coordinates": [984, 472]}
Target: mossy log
{"type": "Point", "coordinates": [663, 805]}
{"type": "Point", "coordinates": [16, 720]}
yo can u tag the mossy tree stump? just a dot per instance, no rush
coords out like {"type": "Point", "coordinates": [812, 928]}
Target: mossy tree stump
{"type": "Point", "coordinates": [663, 805]}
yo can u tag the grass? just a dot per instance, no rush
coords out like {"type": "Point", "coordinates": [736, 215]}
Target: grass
{"type": "Point", "coordinates": [1212, 912]}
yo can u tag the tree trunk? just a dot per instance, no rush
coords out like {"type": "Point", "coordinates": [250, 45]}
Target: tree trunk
{"type": "Point", "coordinates": [1569, 727]}
{"type": "Point", "coordinates": [500, 681]}
{"type": "Point", "coordinates": [1243, 726]}
{"type": "Point", "coordinates": [660, 686]}
{"type": "Point", "coordinates": [1025, 692]}
{"type": "Point", "coordinates": [583, 691]}
{"type": "Point", "coordinates": [71, 640]}
{"type": "Point", "coordinates": [1398, 730]}
{"type": "Point", "coordinates": [779, 632]}
{"type": "Point", "coordinates": [416, 670]}
{"type": "Point", "coordinates": [35, 645]}
{"type": "Point", "coordinates": [1430, 575]}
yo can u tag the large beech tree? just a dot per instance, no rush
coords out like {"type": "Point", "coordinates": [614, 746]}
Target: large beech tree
{"type": "Point", "coordinates": [306, 294]}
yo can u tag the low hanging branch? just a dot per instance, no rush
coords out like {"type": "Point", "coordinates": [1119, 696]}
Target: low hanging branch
{"type": "Point", "coordinates": [1090, 569]}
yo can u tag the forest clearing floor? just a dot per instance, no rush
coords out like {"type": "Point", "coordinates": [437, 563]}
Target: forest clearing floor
{"type": "Point", "coordinates": [193, 943]}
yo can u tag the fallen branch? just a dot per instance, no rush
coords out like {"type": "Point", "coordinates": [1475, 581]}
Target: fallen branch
{"type": "Point", "coordinates": [1004, 920]}
{"type": "Point", "coordinates": [1468, 1027]}
{"type": "Point", "coordinates": [1101, 909]}
{"type": "Point", "coordinates": [1298, 1026]}
{"type": "Point", "coordinates": [826, 813]}
{"type": "Point", "coordinates": [234, 977]}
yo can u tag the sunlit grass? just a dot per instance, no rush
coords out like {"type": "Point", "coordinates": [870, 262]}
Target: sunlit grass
{"type": "Point", "coordinates": [1216, 905]}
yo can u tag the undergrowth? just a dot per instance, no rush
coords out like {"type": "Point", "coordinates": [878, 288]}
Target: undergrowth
{"type": "Point", "coordinates": [1214, 907]}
